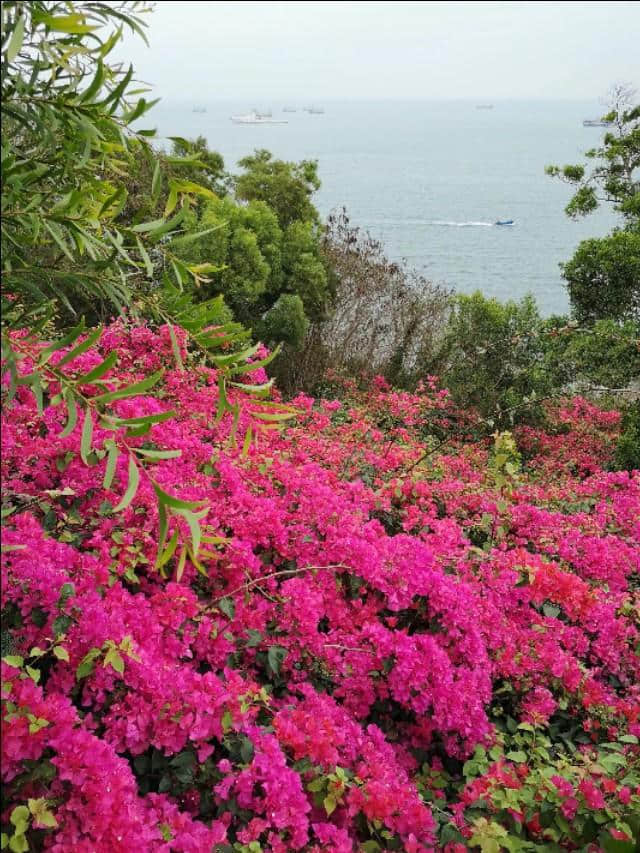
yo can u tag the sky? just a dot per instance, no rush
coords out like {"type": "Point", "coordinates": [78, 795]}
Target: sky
{"type": "Point", "coordinates": [399, 50]}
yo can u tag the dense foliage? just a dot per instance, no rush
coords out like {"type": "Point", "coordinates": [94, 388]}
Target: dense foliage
{"type": "Point", "coordinates": [392, 636]}
{"type": "Point", "coordinates": [264, 238]}
{"type": "Point", "coordinates": [603, 276]}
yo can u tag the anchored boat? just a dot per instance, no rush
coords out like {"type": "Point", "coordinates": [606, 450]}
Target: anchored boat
{"type": "Point", "coordinates": [257, 118]}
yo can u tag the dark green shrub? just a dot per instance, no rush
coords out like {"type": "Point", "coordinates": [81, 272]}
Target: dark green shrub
{"type": "Point", "coordinates": [285, 321]}
{"type": "Point", "coordinates": [627, 456]}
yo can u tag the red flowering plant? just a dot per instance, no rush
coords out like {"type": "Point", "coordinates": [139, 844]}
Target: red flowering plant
{"type": "Point", "coordinates": [390, 636]}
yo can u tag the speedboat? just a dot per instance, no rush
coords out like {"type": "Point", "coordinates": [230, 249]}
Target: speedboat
{"type": "Point", "coordinates": [503, 222]}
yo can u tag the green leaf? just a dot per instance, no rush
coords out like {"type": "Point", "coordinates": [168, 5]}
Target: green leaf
{"type": "Point", "coordinates": [181, 563]}
{"type": "Point", "coordinates": [156, 182]}
{"type": "Point", "coordinates": [13, 660]}
{"type": "Point", "coordinates": [33, 673]}
{"type": "Point", "coordinates": [132, 488]}
{"type": "Point", "coordinates": [66, 341]}
{"type": "Point", "coordinates": [143, 420]}
{"type": "Point", "coordinates": [15, 42]}
{"type": "Point", "coordinates": [19, 815]}
{"type": "Point", "coordinates": [517, 755]}
{"type": "Point", "coordinates": [114, 659]}
{"type": "Point", "coordinates": [143, 227]}
{"type": "Point", "coordinates": [130, 390]}
{"type": "Point", "coordinates": [158, 454]}
{"type": "Point", "coordinates": [228, 607]}
{"type": "Point", "coordinates": [112, 459]}
{"type": "Point", "coordinates": [87, 435]}
{"type": "Point", "coordinates": [165, 555]}
{"type": "Point", "coordinates": [173, 502]}
{"type": "Point", "coordinates": [99, 370]}
{"type": "Point", "coordinates": [61, 653]}
{"type": "Point", "coordinates": [72, 415]}
{"type": "Point", "coordinates": [58, 239]}
{"type": "Point", "coordinates": [192, 520]}
{"type": "Point", "coordinates": [115, 96]}
{"type": "Point", "coordinates": [96, 84]}
{"type": "Point", "coordinates": [275, 658]}
{"type": "Point", "coordinates": [73, 24]}
{"type": "Point", "coordinates": [247, 440]}
{"type": "Point", "coordinates": [329, 804]}
{"type": "Point", "coordinates": [175, 348]}
{"type": "Point", "coordinates": [145, 258]}
{"type": "Point", "coordinates": [87, 663]}
{"type": "Point", "coordinates": [254, 365]}
{"type": "Point", "coordinates": [36, 652]}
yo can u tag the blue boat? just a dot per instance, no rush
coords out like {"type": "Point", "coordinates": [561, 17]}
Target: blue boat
{"type": "Point", "coordinates": [504, 222]}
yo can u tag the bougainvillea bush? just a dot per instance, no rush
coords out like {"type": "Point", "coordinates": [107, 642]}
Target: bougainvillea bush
{"type": "Point", "coordinates": [394, 635]}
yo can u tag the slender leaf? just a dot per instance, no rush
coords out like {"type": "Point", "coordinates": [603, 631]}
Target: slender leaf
{"type": "Point", "coordinates": [87, 435]}
{"type": "Point", "coordinates": [175, 348]}
{"type": "Point", "coordinates": [99, 370]}
{"type": "Point", "coordinates": [173, 502]}
{"type": "Point", "coordinates": [72, 415]}
{"type": "Point", "coordinates": [112, 459]}
{"type": "Point", "coordinates": [132, 487]}
{"type": "Point", "coordinates": [15, 42]}
{"type": "Point", "coordinates": [165, 555]}
{"type": "Point", "coordinates": [88, 342]}
{"type": "Point", "coordinates": [158, 454]}
{"type": "Point", "coordinates": [130, 390]}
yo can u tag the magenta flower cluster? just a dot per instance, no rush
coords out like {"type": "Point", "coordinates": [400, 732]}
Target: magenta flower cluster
{"type": "Point", "coordinates": [351, 630]}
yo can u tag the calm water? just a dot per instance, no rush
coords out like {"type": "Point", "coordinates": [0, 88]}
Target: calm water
{"type": "Point", "coordinates": [429, 178]}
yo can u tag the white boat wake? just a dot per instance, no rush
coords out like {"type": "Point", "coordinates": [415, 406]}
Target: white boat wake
{"type": "Point", "coordinates": [470, 224]}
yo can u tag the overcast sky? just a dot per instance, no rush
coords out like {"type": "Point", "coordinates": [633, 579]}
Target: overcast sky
{"type": "Point", "coordinates": [314, 50]}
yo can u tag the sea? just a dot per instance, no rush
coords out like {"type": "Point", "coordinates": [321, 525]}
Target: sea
{"type": "Point", "coordinates": [430, 178]}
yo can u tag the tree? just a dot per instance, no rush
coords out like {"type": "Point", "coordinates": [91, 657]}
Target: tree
{"type": "Point", "coordinates": [492, 358]}
{"type": "Point", "coordinates": [261, 254]}
{"type": "Point", "coordinates": [286, 187]}
{"type": "Point", "coordinates": [68, 145]}
{"type": "Point", "coordinates": [602, 277]}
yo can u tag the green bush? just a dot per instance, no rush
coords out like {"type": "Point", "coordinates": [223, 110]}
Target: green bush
{"type": "Point", "coordinates": [492, 358]}
{"type": "Point", "coordinates": [605, 355]}
{"type": "Point", "coordinates": [603, 278]}
{"type": "Point", "coordinates": [285, 321]}
{"type": "Point", "coordinates": [627, 456]}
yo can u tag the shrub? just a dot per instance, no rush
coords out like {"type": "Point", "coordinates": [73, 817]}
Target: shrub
{"type": "Point", "coordinates": [381, 316]}
{"type": "Point", "coordinates": [285, 321]}
{"type": "Point", "coordinates": [603, 278]}
{"type": "Point", "coordinates": [492, 356]}
{"type": "Point", "coordinates": [627, 456]}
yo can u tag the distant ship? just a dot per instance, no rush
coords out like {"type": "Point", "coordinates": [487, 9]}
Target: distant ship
{"type": "Point", "coordinates": [289, 110]}
{"type": "Point", "coordinates": [596, 122]}
{"type": "Point", "coordinates": [199, 109]}
{"type": "Point", "coordinates": [484, 106]}
{"type": "Point", "coordinates": [256, 118]}
{"type": "Point", "coordinates": [316, 111]}
{"type": "Point", "coordinates": [265, 114]}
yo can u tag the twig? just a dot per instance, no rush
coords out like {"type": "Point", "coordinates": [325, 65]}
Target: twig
{"type": "Point", "coordinates": [257, 581]}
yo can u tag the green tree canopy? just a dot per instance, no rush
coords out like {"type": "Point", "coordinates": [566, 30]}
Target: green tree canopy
{"type": "Point", "coordinates": [286, 187]}
{"type": "Point", "coordinates": [602, 277]}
